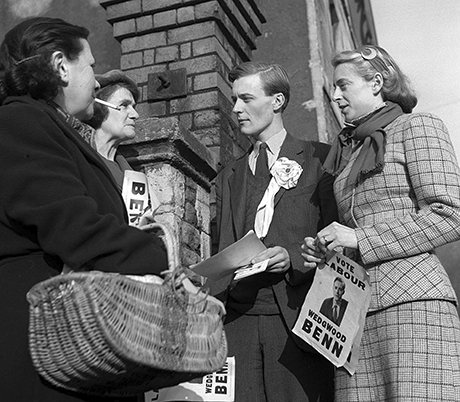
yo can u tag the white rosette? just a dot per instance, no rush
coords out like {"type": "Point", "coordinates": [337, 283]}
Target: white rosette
{"type": "Point", "coordinates": [285, 173]}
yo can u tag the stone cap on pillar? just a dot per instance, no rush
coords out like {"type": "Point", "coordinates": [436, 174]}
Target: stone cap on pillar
{"type": "Point", "coordinates": [165, 140]}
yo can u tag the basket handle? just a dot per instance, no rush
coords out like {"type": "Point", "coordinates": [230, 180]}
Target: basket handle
{"type": "Point", "coordinates": [167, 236]}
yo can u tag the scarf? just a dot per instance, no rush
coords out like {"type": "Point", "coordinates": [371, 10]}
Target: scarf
{"type": "Point", "coordinates": [85, 130]}
{"type": "Point", "coordinates": [371, 133]}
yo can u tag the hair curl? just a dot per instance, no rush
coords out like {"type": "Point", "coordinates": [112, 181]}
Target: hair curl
{"type": "Point", "coordinates": [369, 60]}
{"type": "Point", "coordinates": [25, 56]}
{"type": "Point", "coordinates": [273, 76]}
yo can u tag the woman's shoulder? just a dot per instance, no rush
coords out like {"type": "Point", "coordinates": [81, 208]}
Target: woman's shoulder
{"type": "Point", "coordinates": [23, 108]}
{"type": "Point", "coordinates": [416, 122]}
{"type": "Point", "coordinates": [27, 119]}
{"type": "Point", "coordinates": [417, 119]}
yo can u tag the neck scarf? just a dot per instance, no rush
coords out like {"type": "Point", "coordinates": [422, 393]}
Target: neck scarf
{"type": "Point", "coordinates": [371, 156]}
{"type": "Point", "coordinates": [85, 130]}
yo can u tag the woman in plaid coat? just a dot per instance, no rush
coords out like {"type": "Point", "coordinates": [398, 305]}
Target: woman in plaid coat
{"type": "Point", "coordinates": [398, 192]}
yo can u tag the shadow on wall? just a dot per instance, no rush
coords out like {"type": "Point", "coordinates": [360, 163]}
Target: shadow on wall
{"type": "Point", "coordinates": [450, 257]}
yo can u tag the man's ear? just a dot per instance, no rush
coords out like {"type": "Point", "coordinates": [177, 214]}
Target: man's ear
{"type": "Point", "coordinates": [59, 63]}
{"type": "Point", "coordinates": [278, 102]}
{"type": "Point", "coordinates": [377, 83]}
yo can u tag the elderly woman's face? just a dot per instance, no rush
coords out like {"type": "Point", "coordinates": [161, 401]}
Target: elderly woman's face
{"type": "Point", "coordinates": [79, 93]}
{"type": "Point", "coordinates": [353, 94]}
{"type": "Point", "coordinates": [120, 124]}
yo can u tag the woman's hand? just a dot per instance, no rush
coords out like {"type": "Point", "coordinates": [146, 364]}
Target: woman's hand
{"type": "Point", "coordinates": [146, 218]}
{"type": "Point", "coordinates": [312, 254]}
{"type": "Point", "coordinates": [335, 237]}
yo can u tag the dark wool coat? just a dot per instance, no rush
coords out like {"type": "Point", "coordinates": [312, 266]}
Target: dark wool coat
{"type": "Point", "coordinates": [299, 212]}
{"type": "Point", "coordinates": [58, 204]}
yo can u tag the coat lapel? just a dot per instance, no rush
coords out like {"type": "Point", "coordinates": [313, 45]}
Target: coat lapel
{"type": "Point", "coordinates": [292, 149]}
{"type": "Point", "coordinates": [85, 148]}
{"type": "Point", "coordinates": [238, 185]}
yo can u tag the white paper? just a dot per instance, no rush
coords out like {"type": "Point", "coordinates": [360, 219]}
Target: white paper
{"type": "Point", "coordinates": [226, 262]}
{"type": "Point", "coordinates": [250, 269]}
{"type": "Point", "coordinates": [135, 194]}
{"type": "Point", "coordinates": [215, 387]}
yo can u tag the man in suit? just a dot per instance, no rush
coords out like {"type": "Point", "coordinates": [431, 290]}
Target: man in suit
{"type": "Point", "coordinates": [334, 308]}
{"type": "Point", "coordinates": [271, 363]}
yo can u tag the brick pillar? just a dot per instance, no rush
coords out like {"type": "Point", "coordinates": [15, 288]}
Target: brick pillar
{"type": "Point", "coordinates": [179, 169]}
{"type": "Point", "coordinates": [207, 38]}
{"type": "Point", "coordinates": [180, 52]}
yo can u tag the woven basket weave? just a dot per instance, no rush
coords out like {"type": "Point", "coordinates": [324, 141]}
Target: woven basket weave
{"type": "Point", "coordinates": [107, 334]}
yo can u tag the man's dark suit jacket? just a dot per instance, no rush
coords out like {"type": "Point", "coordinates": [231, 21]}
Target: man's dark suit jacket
{"type": "Point", "coordinates": [299, 212]}
{"type": "Point", "coordinates": [326, 309]}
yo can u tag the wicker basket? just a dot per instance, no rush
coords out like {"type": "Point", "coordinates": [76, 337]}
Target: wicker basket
{"type": "Point", "coordinates": [107, 334]}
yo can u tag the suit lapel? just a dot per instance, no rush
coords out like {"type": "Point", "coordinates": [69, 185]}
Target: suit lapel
{"type": "Point", "coordinates": [292, 149]}
{"type": "Point", "coordinates": [238, 186]}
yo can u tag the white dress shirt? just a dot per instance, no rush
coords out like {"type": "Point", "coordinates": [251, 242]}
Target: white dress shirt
{"type": "Point", "coordinates": [273, 149]}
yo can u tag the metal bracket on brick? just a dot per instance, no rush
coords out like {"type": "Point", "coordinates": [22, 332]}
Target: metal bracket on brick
{"type": "Point", "coordinates": [168, 84]}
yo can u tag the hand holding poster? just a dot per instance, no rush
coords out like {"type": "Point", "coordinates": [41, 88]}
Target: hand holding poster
{"type": "Point", "coordinates": [334, 310]}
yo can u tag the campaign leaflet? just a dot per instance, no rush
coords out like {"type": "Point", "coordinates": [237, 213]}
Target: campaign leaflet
{"type": "Point", "coordinates": [215, 387]}
{"type": "Point", "coordinates": [237, 256]}
{"type": "Point", "coordinates": [333, 313]}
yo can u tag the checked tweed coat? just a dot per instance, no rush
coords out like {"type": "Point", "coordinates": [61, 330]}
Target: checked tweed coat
{"type": "Point", "coordinates": [411, 343]}
{"type": "Point", "coordinates": [403, 213]}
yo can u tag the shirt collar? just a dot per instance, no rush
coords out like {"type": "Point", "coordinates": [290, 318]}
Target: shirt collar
{"type": "Point", "coordinates": [274, 143]}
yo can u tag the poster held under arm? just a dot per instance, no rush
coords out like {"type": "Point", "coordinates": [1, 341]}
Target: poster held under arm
{"type": "Point", "coordinates": [137, 196]}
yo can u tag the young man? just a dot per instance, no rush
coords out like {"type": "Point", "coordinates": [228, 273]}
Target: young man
{"type": "Point", "coordinates": [261, 309]}
{"type": "Point", "coordinates": [334, 307]}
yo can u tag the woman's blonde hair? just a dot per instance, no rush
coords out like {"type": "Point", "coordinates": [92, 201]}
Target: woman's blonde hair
{"type": "Point", "coordinates": [369, 60]}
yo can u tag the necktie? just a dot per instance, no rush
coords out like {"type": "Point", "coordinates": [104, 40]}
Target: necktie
{"type": "Point", "coordinates": [262, 175]}
{"type": "Point", "coordinates": [335, 314]}
{"type": "Point", "coordinates": [262, 171]}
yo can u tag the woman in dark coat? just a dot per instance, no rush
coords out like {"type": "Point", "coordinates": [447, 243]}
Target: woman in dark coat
{"type": "Point", "coordinates": [59, 203]}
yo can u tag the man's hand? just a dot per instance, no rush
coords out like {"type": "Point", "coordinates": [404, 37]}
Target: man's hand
{"type": "Point", "coordinates": [279, 260]}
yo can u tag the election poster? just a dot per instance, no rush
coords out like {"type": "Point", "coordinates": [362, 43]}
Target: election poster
{"type": "Point", "coordinates": [334, 310]}
{"type": "Point", "coordinates": [215, 387]}
{"type": "Point", "coordinates": [137, 195]}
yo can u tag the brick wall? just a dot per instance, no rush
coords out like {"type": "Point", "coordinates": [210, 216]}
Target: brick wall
{"type": "Point", "coordinates": [184, 136]}
{"type": "Point", "coordinates": [207, 38]}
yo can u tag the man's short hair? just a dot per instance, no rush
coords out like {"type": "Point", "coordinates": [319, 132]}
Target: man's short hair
{"type": "Point", "coordinates": [273, 76]}
{"type": "Point", "coordinates": [339, 279]}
